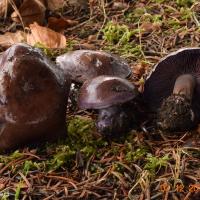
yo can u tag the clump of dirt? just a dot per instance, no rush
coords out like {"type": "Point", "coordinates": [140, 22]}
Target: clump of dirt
{"type": "Point", "coordinates": [175, 113]}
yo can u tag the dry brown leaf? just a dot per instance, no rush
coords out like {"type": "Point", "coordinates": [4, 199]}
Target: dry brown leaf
{"type": "Point", "coordinates": [55, 4]}
{"type": "Point", "coordinates": [139, 69]}
{"type": "Point", "coordinates": [30, 11]}
{"type": "Point", "coordinates": [148, 27]}
{"type": "Point", "coordinates": [9, 38]}
{"type": "Point", "coordinates": [45, 36]}
{"type": "Point", "coordinates": [60, 24]}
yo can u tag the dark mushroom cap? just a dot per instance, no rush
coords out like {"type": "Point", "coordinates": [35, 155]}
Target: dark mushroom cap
{"type": "Point", "coordinates": [33, 97]}
{"type": "Point", "coordinates": [160, 83]}
{"type": "Point", "coordinates": [105, 91]}
{"type": "Point", "coordinates": [82, 65]}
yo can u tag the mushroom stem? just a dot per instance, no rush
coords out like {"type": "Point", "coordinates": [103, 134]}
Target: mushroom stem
{"type": "Point", "coordinates": [115, 120]}
{"type": "Point", "coordinates": [185, 85]}
{"type": "Point", "coordinates": [112, 120]}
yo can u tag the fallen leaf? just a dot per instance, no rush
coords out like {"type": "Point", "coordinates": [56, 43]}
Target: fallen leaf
{"type": "Point", "coordinates": [148, 27]}
{"type": "Point", "coordinates": [9, 38]}
{"type": "Point", "coordinates": [139, 69]}
{"type": "Point", "coordinates": [29, 12]}
{"type": "Point", "coordinates": [92, 38]}
{"type": "Point", "coordinates": [45, 36]}
{"type": "Point", "coordinates": [55, 4]}
{"type": "Point", "coordinates": [60, 24]}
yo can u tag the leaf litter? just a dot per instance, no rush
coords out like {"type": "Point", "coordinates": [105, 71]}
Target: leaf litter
{"type": "Point", "coordinates": [144, 164]}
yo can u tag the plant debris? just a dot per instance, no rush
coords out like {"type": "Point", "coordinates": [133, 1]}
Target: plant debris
{"type": "Point", "coordinates": [45, 36]}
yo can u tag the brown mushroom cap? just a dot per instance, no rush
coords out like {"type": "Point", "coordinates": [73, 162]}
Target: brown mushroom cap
{"type": "Point", "coordinates": [160, 83]}
{"type": "Point", "coordinates": [82, 65]}
{"type": "Point", "coordinates": [33, 97]}
{"type": "Point", "coordinates": [105, 91]}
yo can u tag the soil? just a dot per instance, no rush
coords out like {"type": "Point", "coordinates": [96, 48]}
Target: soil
{"type": "Point", "coordinates": [175, 114]}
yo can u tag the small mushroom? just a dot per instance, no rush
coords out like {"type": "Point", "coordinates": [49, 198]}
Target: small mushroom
{"type": "Point", "coordinates": [83, 65]}
{"type": "Point", "coordinates": [33, 96]}
{"type": "Point", "coordinates": [112, 97]}
{"type": "Point", "coordinates": [173, 90]}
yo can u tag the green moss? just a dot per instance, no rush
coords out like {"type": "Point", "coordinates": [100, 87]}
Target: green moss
{"type": "Point", "coordinates": [80, 131]}
{"type": "Point", "coordinates": [134, 15]}
{"type": "Point", "coordinates": [7, 158]}
{"type": "Point", "coordinates": [17, 192]}
{"type": "Point", "coordinates": [62, 157]}
{"type": "Point", "coordinates": [185, 3]}
{"type": "Point", "coordinates": [29, 166]}
{"type": "Point", "coordinates": [129, 50]}
{"type": "Point", "coordinates": [118, 167]}
{"type": "Point", "coordinates": [80, 138]}
{"type": "Point", "coordinates": [173, 23]}
{"type": "Point", "coordinates": [44, 49]}
{"type": "Point", "coordinates": [133, 153]}
{"type": "Point", "coordinates": [155, 19]}
{"type": "Point", "coordinates": [88, 150]}
{"type": "Point", "coordinates": [115, 150]}
{"type": "Point", "coordinates": [154, 163]}
{"type": "Point", "coordinates": [115, 33]}
{"type": "Point", "coordinates": [53, 53]}
{"type": "Point", "coordinates": [4, 196]}
{"type": "Point", "coordinates": [186, 13]}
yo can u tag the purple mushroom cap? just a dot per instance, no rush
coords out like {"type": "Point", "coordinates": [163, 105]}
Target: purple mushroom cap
{"type": "Point", "coordinates": [105, 91]}
{"type": "Point", "coordinates": [33, 97]}
{"type": "Point", "coordinates": [82, 65]}
{"type": "Point", "coordinates": [160, 83]}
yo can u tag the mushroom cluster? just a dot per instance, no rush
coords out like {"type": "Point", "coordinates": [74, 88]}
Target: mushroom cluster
{"type": "Point", "coordinates": [34, 93]}
{"type": "Point", "coordinates": [104, 88]}
{"type": "Point", "coordinates": [172, 90]}
{"type": "Point", "coordinates": [83, 65]}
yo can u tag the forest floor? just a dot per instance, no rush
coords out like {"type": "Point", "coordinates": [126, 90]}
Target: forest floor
{"type": "Point", "coordinates": [143, 164]}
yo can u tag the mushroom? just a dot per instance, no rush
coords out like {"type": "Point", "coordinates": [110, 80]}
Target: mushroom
{"type": "Point", "coordinates": [172, 90]}
{"type": "Point", "coordinates": [112, 97]}
{"type": "Point", "coordinates": [33, 95]}
{"type": "Point", "coordinates": [82, 65]}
